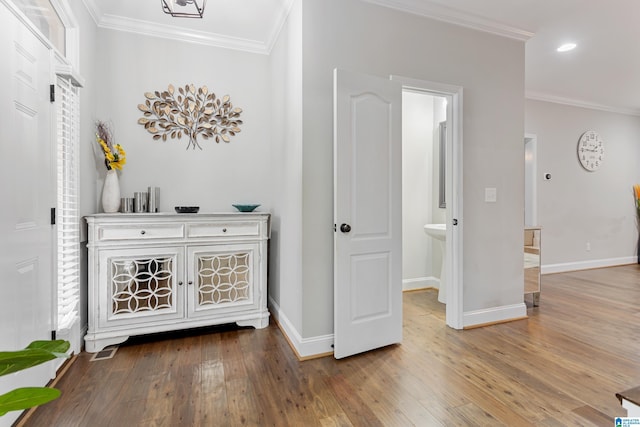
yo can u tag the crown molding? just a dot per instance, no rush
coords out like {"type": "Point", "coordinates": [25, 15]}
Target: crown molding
{"type": "Point", "coordinates": [93, 9]}
{"type": "Point", "coordinates": [455, 16]}
{"type": "Point", "coordinates": [279, 24]}
{"type": "Point", "coordinates": [120, 23]}
{"type": "Point", "coordinates": [540, 96]}
{"type": "Point", "coordinates": [416, 7]}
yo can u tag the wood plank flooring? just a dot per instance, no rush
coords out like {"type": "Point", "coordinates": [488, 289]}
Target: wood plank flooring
{"type": "Point", "coordinates": [560, 367]}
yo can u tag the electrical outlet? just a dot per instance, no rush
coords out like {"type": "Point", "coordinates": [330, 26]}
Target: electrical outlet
{"type": "Point", "coordinates": [588, 246]}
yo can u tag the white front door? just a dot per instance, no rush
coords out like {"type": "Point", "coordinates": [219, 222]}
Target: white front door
{"type": "Point", "coordinates": [367, 213]}
{"type": "Point", "coordinates": [27, 191]}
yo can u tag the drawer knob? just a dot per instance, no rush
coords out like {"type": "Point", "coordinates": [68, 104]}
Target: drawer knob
{"type": "Point", "coordinates": [143, 232]}
{"type": "Point", "coordinates": [191, 282]}
{"type": "Point", "coordinates": [180, 283]}
{"type": "Point", "coordinates": [224, 230]}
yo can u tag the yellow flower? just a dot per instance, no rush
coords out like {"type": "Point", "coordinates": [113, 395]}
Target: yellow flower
{"type": "Point", "coordinates": [120, 151]}
{"type": "Point", "coordinates": [116, 165]}
{"type": "Point", "coordinates": [114, 155]}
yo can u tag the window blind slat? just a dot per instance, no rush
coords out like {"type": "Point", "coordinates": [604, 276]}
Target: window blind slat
{"type": "Point", "coordinates": [68, 252]}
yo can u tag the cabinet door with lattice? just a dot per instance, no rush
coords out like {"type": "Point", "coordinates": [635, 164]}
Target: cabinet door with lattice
{"type": "Point", "coordinates": [222, 278]}
{"type": "Point", "coordinates": [141, 285]}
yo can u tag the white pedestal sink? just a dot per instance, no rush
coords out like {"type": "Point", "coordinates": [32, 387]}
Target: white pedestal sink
{"type": "Point", "coordinates": [439, 232]}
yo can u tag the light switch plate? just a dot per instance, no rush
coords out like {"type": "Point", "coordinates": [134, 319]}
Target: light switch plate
{"type": "Point", "coordinates": [490, 194]}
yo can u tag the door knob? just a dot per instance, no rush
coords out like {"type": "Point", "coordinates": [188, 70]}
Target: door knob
{"type": "Point", "coordinates": [345, 228]}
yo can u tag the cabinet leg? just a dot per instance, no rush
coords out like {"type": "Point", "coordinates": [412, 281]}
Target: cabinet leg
{"type": "Point", "coordinates": [259, 323]}
{"type": "Point", "coordinates": [93, 345]}
{"type": "Point", "coordinates": [536, 299]}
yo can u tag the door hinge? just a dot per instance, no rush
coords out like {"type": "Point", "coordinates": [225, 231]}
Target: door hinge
{"type": "Point", "coordinates": [52, 93]}
{"type": "Point", "coordinates": [335, 228]}
{"type": "Point", "coordinates": [53, 335]}
{"type": "Point", "coordinates": [53, 216]}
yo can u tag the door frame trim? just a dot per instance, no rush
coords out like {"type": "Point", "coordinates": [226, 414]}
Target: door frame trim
{"type": "Point", "coordinates": [72, 34]}
{"type": "Point", "coordinates": [530, 138]}
{"type": "Point", "coordinates": [453, 191]}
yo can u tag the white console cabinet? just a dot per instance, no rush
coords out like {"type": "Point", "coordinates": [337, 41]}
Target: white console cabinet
{"type": "Point", "coordinates": [161, 272]}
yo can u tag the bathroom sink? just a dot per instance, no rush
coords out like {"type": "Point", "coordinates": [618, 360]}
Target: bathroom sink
{"type": "Point", "coordinates": [439, 233]}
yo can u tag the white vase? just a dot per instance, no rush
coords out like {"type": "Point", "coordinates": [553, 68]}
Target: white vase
{"type": "Point", "coordinates": [111, 192]}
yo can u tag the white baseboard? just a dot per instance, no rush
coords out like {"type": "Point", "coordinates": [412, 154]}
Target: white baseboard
{"type": "Point", "coordinates": [304, 347]}
{"type": "Point", "coordinates": [420, 283]}
{"type": "Point", "coordinates": [494, 315]}
{"type": "Point", "coordinates": [75, 335]}
{"type": "Point", "coordinates": [585, 265]}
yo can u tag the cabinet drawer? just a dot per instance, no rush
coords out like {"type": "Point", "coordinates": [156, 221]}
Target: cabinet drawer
{"type": "Point", "coordinates": [224, 229]}
{"type": "Point", "coordinates": [141, 231]}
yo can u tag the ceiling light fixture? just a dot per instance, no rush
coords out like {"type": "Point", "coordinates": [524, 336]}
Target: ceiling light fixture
{"type": "Point", "coordinates": [184, 8]}
{"type": "Point", "coordinates": [566, 47]}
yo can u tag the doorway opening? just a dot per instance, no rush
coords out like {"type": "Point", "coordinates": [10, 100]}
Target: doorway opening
{"type": "Point", "coordinates": [424, 124]}
{"type": "Point", "coordinates": [448, 98]}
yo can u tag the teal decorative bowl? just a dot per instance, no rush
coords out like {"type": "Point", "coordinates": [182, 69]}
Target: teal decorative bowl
{"type": "Point", "coordinates": [245, 208]}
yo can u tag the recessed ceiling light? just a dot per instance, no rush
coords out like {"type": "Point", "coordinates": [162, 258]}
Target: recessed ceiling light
{"type": "Point", "coordinates": [566, 47]}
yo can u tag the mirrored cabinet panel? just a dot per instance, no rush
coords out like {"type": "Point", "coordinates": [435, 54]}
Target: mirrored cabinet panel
{"type": "Point", "coordinates": [532, 240]}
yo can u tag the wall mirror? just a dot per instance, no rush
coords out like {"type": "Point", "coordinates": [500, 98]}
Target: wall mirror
{"type": "Point", "coordinates": [443, 163]}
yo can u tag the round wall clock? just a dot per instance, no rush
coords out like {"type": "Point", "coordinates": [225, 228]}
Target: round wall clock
{"type": "Point", "coordinates": [590, 150]}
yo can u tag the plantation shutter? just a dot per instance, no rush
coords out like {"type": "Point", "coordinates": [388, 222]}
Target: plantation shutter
{"type": "Point", "coordinates": [68, 221]}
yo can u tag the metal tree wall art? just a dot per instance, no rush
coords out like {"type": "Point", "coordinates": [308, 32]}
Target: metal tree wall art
{"type": "Point", "coordinates": [189, 112]}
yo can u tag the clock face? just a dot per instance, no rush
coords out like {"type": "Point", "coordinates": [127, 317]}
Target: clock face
{"type": "Point", "coordinates": [590, 151]}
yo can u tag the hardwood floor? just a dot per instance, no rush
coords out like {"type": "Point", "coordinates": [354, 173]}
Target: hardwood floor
{"type": "Point", "coordinates": [562, 366]}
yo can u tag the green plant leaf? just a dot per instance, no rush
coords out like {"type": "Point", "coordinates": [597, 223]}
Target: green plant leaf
{"type": "Point", "coordinates": [27, 397]}
{"type": "Point", "coordinates": [13, 361]}
{"type": "Point", "coordinates": [58, 347]}
{"type": "Point", "coordinates": [36, 353]}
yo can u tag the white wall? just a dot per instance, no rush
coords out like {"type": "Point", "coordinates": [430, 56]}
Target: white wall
{"type": "Point", "coordinates": [128, 65]}
{"type": "Point", "coordinates": [577, 207]}
{"type": "Point", "coordinates": [362, 37]}
{"type": "Point", "coordinates": [285, 265]}
{"type": "Point", "coordinates": [417, 189]}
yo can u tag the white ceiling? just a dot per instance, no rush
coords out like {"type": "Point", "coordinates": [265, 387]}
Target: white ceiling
{"type": "Point", "coordinates": [602, 72]}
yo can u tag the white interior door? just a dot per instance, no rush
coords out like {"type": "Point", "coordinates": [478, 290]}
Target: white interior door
{"type": "Point", "coordinates": [27, 193]}
{"type": "Point", "coordinates": [367, 213]}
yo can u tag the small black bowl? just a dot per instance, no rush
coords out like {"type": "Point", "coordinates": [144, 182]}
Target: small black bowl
{"type": "Point", "coordinates": [187, 209]}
